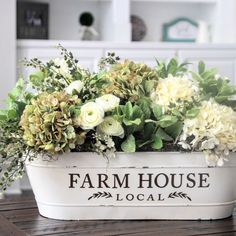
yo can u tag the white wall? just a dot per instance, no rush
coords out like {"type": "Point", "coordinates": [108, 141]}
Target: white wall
{"type": "Point", "coordinates": [225, 30]}
{"type": "Point", "coordinates": [8, 57]}
{"type": "Point", "coordinates": [7, 47]}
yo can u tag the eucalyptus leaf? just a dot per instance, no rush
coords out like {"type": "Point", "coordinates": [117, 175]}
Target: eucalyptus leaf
{"type": "Point", "coordinates": [16, 91]}
{"type": "Point", "coordinates": [144, 104]}
{"type": "Point", "coordinates": [201, 67]}
{"type": "Point", "coordinates": [172, 66]}
{"type": "Point", "coordinates": [226, 90]}
{"type": "Point", "coordinates": [175, 129]}
{"type": "Point", "coordinates": [230, 103]}
{"type": "Point", "coordinates": [3, 117]}
{"type": "Point", "coordinates": [157, 144]}
{"type": "Point", "coordinates": [151, 121]}
{"type": "Point", "coordinates": [132, 122]}
{"type": "Point", "coordinates": [128, 110]}
{"type": "Point", "coordinates": [11, 114]}
{"type": "Point", "coordinates": [209, 73]}
{"type": "Point", "coordinates": [142, 144]}
{"type": "Point", "coordinates": [167, 120]}
{"type": "Point", "coordinates": [196, 76]}
{"type": "Point", "coordinates": [137, 112]}
{"type": "Point", "coordinates": [192, 113]}
{"type": "Point", "coordinates": [163, 135]}
{"type": "Point", "coordinates": [157, 111]}
{"type": "Point", "coordinates": [129, 144]}
{"type": "Point", "coordinates": [149, 85]}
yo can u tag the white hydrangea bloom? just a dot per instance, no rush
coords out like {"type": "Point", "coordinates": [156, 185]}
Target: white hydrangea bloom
{"type": "Point", "coordinates": [214, 130]}
{"type": "Point", "coordinates": [175, 90]}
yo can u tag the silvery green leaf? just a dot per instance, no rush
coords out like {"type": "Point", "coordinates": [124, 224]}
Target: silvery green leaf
{"type": "Point", "coordinates": [157, 144]}
{"type": "Point", "coordinates": [129, 144]}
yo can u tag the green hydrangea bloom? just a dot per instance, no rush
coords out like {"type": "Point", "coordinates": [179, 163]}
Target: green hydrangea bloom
{"type": "Point", "coordinates": [127, 79]}
{"type": "Point", "coordinates": [49, 125]}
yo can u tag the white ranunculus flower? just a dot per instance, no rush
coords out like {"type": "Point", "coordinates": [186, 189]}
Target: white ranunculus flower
{"type": "Point", "coordinates": [91, 115]}
{"type": "Point", "coordinates": [108, 102]}
{"type": "Point", "coordinates": [75, 85]}
{"type": "Point", "coordinates": [111, 127]}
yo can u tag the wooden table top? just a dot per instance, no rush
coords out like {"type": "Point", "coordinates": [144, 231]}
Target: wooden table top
{"type": "Point", "coordinates": [19, 216]}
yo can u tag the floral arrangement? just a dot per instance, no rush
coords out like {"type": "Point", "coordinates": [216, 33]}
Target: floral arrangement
{"type": "Point", "coordinates": [125, 106]}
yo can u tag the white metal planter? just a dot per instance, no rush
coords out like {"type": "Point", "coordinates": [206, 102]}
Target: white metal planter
{"type": "Point", "coordinates": [83, 186]}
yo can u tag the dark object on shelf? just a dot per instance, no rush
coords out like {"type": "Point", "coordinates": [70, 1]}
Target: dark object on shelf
{"type": "Point", "coordinates": [139, 28]}
{"type": "Point", "coordinates": [32, 20]}
{"type": "Point", "coordinates": [180, 30]}
{"type": "Point", "coordinates": [86, 31]}
{"type": "Point", "coordinates": [86, 19]}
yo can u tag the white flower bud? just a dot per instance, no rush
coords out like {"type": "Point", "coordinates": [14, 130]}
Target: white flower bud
{"type": "Point", "coordinates": [108, 102]}
{"type": "Point", "coordinates": [75, 85]}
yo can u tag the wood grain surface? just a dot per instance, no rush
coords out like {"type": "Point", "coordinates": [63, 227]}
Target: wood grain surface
{"type": "Point", "coordinates": [19, 216]}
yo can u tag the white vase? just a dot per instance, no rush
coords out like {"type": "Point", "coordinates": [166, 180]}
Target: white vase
{"type": "Point", "coordinates": [164, 185]}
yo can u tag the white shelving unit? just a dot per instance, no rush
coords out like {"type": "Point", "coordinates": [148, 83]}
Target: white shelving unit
{"type": "Point", "coordinates": [64, 18]}
{"type": "Point", "coordinates": [112, 17]}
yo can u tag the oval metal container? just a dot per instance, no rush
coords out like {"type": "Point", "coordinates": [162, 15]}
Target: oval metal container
{"type": "Point", "coordinates": [164, 185]}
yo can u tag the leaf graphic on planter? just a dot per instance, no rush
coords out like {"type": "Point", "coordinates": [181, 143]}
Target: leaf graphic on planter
{"type": "Point", "coordinates": [179, 195]}
{"type": "Point", "coordinates": [101, 195]}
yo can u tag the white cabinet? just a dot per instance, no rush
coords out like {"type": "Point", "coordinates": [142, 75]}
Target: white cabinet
{"type": "Point", "coordinates": [224, 60]}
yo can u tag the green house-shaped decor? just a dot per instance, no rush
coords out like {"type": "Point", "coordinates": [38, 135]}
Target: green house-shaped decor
{"type": "Point", "coordinates": [180, 30]}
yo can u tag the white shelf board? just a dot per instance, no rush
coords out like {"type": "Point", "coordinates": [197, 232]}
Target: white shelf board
{"type": "Point", "coordinates": [32, 43]}
{"type": "Point", "coordinates": [177, 1]}
{"type": "Point", "coordinates": [95, 0]}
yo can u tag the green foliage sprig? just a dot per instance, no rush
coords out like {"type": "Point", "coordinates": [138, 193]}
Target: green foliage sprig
{"type": "Point", "coordinates": [172, 67]}
{"type": "Point", "coordinates": [13, 149]}
{"type": "Point", "coordinates": [214, 85]}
